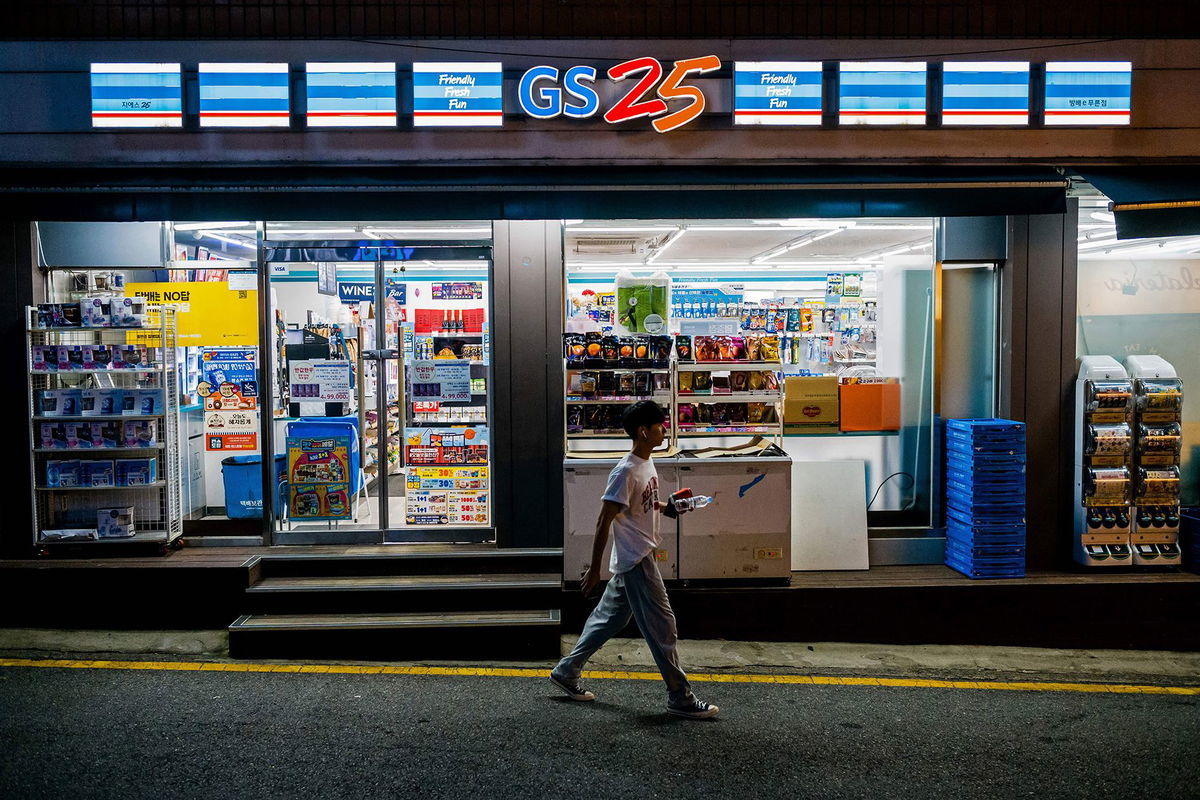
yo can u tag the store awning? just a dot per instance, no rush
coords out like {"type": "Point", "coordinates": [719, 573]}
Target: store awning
{"type": "Point", "coordinates": [602, 191]}
{"type": "Point", "coordinates": [1150, 201]}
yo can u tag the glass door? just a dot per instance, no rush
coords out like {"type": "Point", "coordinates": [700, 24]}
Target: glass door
{"type": "Point", "coordinates": [382, 368]}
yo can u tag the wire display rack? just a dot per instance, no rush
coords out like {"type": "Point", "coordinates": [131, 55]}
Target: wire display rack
{"type": "Point", "coordinates": [66, 428]}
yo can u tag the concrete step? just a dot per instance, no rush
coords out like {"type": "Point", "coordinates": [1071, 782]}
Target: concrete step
{"type": "Point", "coordinates": [370, 583]}
{"type": "Point", "coordinates": [516, 634]}
{"type": "Point", "coordinates": [404, 561]}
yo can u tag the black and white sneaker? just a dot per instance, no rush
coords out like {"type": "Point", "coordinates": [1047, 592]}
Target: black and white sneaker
{"type": "Point", "coordinates": [572, 688]}
{"type": "Point", "coordinates": [695, 709]}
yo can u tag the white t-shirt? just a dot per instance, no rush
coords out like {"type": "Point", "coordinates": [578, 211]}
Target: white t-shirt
{"type": "Point", "coordinates": [634, 484]}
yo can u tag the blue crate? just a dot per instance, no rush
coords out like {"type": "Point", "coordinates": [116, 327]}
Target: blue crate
{"type": "Point", "coordinates": [989, 494]}
{"type": "Point", "coordinates": [974, 502]}
{"type": "Point", "coordinates": [985, 428]}
{"type": "Point", "coordinates": [971, 472]}
{"type": "Point", "coordinates": [984, 455]}
{"type": "Point", "coordinates": [970, 538]}
{"type": "Point", "coordinates": [978, 516]}
{"type": "Point", "coordinates": [994, 556]}
{"type": "Point", "coordinates": [978, 572]}
{"type": "Point", "coordinates": [963, 519]}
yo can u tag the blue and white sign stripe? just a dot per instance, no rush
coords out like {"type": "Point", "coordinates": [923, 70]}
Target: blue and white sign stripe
{"type": "Point", "coordinates": [351, 95]}
{"type": "Point", "coordinates": [1088, 92]}
{"type": "Point", "coordinates": [244, 96]}
{"type": "Point", "coordinates": [882, 93]}
{"type": "Point", "coordinates": [458, 94]}
{"type": "Point", "coordinates": [137, 96]}
{"type": "Point", "coordinates": [985, 93]}
{"type": "Point", "coordinates": [777, 93]}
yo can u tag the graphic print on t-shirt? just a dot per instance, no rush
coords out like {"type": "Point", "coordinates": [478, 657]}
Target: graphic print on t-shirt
{"type": "Point", "coordinates": [650, 495]}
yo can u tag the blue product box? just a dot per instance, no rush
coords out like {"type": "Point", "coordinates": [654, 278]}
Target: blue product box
{"type": "Point", "coordinates": [96, 473]}
{"type": "Point", "coordinates": [62, 474]}
{"type": "Point", "coordinates": [136, 471]}
{"type": "Point", "coordinates": [141, 433]}
{"type": "Point", "coordinates": [111, 434]}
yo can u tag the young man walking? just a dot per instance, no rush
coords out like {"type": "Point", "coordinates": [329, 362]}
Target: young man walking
{"type": "Point", "coordinates": [631, 509]}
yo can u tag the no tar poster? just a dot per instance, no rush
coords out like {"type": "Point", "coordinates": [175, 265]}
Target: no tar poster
{"type": "Point", "coordinates": [210, 314]}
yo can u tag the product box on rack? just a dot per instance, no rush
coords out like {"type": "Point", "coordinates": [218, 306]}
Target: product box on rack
{"type": "Point", "coordinates": [110, 433]}
{"type": "Point", "coordinates": [870, 406]}
{"type": "Point", "coordinates": [59, 402]}
{"type": "Point", "coordinates": [97, 356]}
{"type": "Point", "coordinates": [96, 402]}
{"type": "Point", "coordinates": [68, 535]}
{"type": "Point", "coordinates": [812, 403]}
{"type": "Point", "coordinates": [96, 473]}
{"type": "Point", "coordinates": [141, 433]}
{"type": "Point", "coordinates": [136, 471]}
{"type": "Point", "coordinates": [142, 402]}
{"type": "Point", "coordinates": [94, 312]}
{"type": "Point", "coordinates": [53, 435]}
{"type": "Point", "coordinates": [43, 358]}
{"type": "Point", "coordinates": [128, 312]}
{"type": "Point", "coordinates": [82, 435]}
{"type": "Point", "coordinates": [70, 357]}
{"type": "Point", "coordinates": [62, 474]}
{"type": "Point", "coordinates": [115, 523]}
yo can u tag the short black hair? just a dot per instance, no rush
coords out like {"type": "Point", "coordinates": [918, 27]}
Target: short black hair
{"type": "Point", "coordinates": [642, 413]}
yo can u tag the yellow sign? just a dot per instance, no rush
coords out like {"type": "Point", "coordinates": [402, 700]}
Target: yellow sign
{"type": "Point", "coordinates": [210, 313]}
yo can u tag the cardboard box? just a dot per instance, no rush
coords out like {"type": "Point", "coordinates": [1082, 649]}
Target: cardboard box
{"type": "Point", "coordinates": [870, 406]}
{"type": "Point", "coordinates": [115, 523]}
{"type": "Point", "coordinates": [811, 404]}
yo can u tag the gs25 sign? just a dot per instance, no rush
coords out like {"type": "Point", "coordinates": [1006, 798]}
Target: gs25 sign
{"type": "Point", "coordinates": [543, 97]}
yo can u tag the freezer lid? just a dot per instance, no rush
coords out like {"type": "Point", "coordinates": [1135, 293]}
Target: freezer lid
{"type": "Point", "coordinates": [666, 461]}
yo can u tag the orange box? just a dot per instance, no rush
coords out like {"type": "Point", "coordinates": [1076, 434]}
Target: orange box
{"type": "Point", "coordinates": [869, 406]}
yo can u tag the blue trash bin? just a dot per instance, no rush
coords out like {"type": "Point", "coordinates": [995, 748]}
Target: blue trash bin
{"type": "Point", "coordinates": [242, 476]}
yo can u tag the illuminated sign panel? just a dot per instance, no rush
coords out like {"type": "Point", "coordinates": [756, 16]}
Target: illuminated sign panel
{"type": "Point", "coordinates": [244, 96]}
{"type": "Point", "coordinates": [777, 93]}
{"type": "Point", "coordinates": [985, 93]}
{"type": "Point", "coordinates": [882, 93]}
{"type": "Point", "coordinates": [1088, 92]}
{"type": "Point", "coordinates": [352, 95]}
{"type": "Point", "coordinates": [137, 96]}
{"type": "Point", "coordinates": [450, 94]}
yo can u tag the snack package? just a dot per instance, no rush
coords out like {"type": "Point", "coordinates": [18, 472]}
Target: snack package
{"type": "Point", "coordinates": [626, 345]}
{"type": "Point", "coordinates": [574, 348]}
{"type": "Point", "coordinates": [574, 419]}
{"type": "Point", "coordinates": [720, 383]}
{"type": "Point", "coordinates": [755, 382]}
{"type": "Point", "coordinates": [769, 347]}
{"type": "Point", "coordinates": [704, 414]}
{"type": "Point", "coordinates": [683, 348]}
{"type": "Point", "coordinates": [610, 348]}
{"type": "Point", "coordinates": [686, 382]}
{"type": "Point", "coordinates": [643, 347]}
{"type": "Point", "coordinates": [606, 384]}
{"type": "Point", "coordinates": [662, 382]}
{"type": "Point", "coordinates": [737, 348]}
{"type": "Point", "coordinates": [661, 356]}
{"type": "Point", "coordinates": [755, 413]}
{"type": "Point", "coordinates": [793, 319]}
{"type": "Point", "coordinates": [687, 414]}
{"type": "Point", "coordinates": [593, 348]}
{"type": "Point", "coordinates": [625, 384]}
{"type": "Point", "coordinates": [772, 381]}
{"type": "Point", "coordinates": [642, 304]}
{"type": "Point", "coordinates": [702, 382]}
{"type": "Point", "coordinates": [574, 384]}
{"type": "Point", "coordinates": [588, 384]}
{"type": "Point", "coordinates": [739, 381]}
{"type": "Point", "coordinates": [724, 348]}
{"type": "Point", "coordinates": [737, 413]}
{"type": "Point", "coordinates": [720, 414]}
{"type": "Point", "coordinates": [753, 348]}
{"type": "Point", "coordinates": [595, 417]}
{"type": "Point", "coordinates": [643, 384]}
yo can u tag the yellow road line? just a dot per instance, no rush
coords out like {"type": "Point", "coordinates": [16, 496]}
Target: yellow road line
{"type": "Point", "coordinates": [518, 672]}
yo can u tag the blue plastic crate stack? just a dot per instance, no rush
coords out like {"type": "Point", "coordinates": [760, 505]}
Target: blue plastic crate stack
{"type": "Point", "coordinates": [985, 497]}
{"type": "Point", "coordinates": [1189, 538]}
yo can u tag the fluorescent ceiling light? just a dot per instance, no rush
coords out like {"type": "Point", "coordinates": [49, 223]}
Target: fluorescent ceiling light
{"type": "Point", "coordinates": [209, 226]}
{"type": "Point", "coordinates": [227, 239]}
{"type": "Point", "coordinates": [662, 248]}
{"type": "Point", "coordinates": [397, 233]}
{"type": "Point", "coordinates": [625, 229]}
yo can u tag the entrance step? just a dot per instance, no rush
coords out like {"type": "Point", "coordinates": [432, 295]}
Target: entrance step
{"type": "Point", "coordinates": [389, 593]}
{"type": "Point", "coordinates": [394, 560]}
{"type": "Point", "coordinates": [520, 634]}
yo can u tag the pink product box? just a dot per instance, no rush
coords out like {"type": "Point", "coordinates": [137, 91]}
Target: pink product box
{"type": "Point", "coordinates": [141, 433]}
{"type": "Point", "coordinates": [44, 358]}
{"type": "Point", "coordinates": [53, 435]}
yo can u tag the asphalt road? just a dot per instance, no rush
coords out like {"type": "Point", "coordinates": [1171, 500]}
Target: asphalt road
{"type": "Point", "coordinates": [98, 733]}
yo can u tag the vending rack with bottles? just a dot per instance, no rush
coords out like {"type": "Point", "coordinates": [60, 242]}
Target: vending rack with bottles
{"type": "Point", "coordinates": [1157, 413]}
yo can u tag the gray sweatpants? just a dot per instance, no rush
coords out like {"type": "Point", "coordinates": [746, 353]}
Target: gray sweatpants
{"type": "Point", "coordinates": [638, 593]}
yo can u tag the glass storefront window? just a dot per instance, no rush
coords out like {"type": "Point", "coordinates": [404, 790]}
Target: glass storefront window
{"type": "Point", "coordinates": [1142, 297]}
{"type": "Point", "coordinates": [844, 306]}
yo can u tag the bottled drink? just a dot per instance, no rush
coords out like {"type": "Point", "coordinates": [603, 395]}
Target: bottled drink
{"type": "Point", "coordinates": [691, 503]}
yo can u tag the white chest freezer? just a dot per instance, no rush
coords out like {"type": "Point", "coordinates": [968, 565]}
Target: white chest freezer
{"type": "Point", "coordinates": [584, 481]}
{"type": "Point", "coordinates": [747, 532]}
